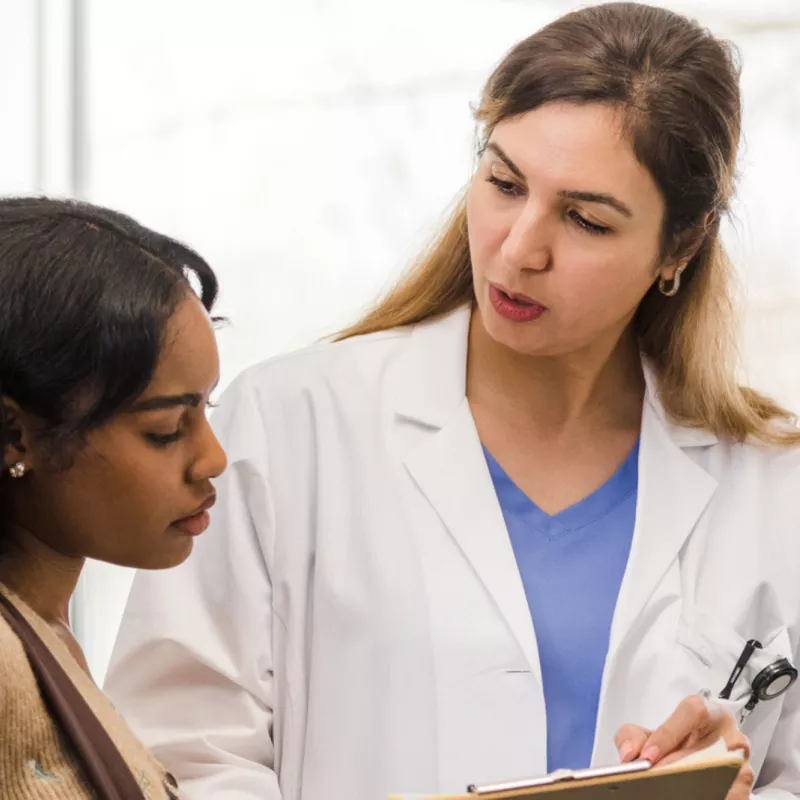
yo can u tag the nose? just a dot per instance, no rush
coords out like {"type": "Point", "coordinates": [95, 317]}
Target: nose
{"type": "Point", "coordinates": [211, 460]}
{"type": "Point", "coordinates": [528, 245]}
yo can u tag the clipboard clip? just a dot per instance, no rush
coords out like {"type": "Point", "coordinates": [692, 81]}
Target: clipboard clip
{"type": "Point", "coordinates": [560, 776]}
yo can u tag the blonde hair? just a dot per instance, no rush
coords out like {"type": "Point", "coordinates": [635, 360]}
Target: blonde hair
{"type": "Point", "coordinates": [677, 88]}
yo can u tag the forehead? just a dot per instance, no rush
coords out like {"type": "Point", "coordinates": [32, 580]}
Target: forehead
{"type": "Point", "coordinates": [189, 360]}
{"type": "Point", "coordinates": [566, 146]}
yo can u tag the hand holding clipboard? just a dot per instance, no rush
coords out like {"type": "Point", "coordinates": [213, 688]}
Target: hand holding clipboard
{"type": "Point", "coordinates": [666, 763]}
{"type": "Point", "coordinates": [675, 761]}
{"type": "Point", "coordinates": [707, 775]}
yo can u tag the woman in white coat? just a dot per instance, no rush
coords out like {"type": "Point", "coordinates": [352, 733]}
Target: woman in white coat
{"type": "Point", "coordinates": [522, 514]}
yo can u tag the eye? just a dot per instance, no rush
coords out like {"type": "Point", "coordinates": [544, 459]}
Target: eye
{"type": "Point", "coordinates": [187, 419]}
{"type": "Point", "coordinates": [589, 227]}
{"type": "Point", "coordinates": [505, 187]}
{"type": "Point", "coordinates": [164, 439]}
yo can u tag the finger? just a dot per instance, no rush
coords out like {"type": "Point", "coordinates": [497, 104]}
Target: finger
{"type": "Point", "coordinates": [693, 721]}
{"type": "Point", "coordinates": [743, 786]}
{"type": "Point", "coordinates": [675, 756]}
{"type": "Point", "coordinates": [745, 781]}
{"type": "Point", "coordinates": [736, 740]}
{"type": "Point", "coordinates": [629, 741]}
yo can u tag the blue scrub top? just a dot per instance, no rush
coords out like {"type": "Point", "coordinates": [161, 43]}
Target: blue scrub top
{"type": "Point", "coordinates": [572, 564]}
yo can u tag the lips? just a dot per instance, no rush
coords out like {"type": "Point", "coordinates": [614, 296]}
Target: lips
{"type": "Point", "coordinates": [204, 506]}
{"type": "Point", "coordinates": [514, 306]}
{"type": "Point", "coordinates": [518, 297]}
{"type": "Point", "coordinates": [198, 521]}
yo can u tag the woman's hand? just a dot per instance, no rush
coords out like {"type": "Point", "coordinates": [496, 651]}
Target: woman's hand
{"type": "Point", "coordinates": [696, 724]}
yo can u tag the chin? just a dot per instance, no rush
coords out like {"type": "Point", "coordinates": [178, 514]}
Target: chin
{"type": "Point", "coordinates": [156, 552]}
{"type": "Point", "coordinates": [173, 552]}
{"type": "Point", "coordinates": [176, 555]}
{"type": "Point", "coordinates": [524, 338]}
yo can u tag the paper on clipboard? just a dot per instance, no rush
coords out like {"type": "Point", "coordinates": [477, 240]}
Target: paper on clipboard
{"type": "Point", "coordinates": [705, 775]}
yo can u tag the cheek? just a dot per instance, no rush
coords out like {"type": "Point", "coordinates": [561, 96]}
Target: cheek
{"type": "Point", "coordinates": [112, 508]}
{"type": "Point", "coordinates": [487, 229]}
{"type": "Point", "coordinates": [609, 281]}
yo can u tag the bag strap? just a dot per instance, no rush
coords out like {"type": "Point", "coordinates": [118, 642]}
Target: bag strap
{"type": "Point", "coordinates": [103, 764]}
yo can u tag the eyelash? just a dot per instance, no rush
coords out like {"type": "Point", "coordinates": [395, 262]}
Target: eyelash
{"type": "Point", "coordinates": [590, 227]}
{"type": "Point", "coordinates": [512, 190]}
{"type": "Point", "coordinates": [505, 187]}
{"type": "Point", "coordinates": [162, 440]}
{"type": "Point", "coordinates": [166, 439]}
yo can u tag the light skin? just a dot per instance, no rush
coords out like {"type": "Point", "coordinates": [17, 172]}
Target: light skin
{"type": "Point", "coordinates": [569, 383]}
{"type": "Point", "coordinates": [561, 211]}
{"type": "Point", "coordinates": [146, 468]}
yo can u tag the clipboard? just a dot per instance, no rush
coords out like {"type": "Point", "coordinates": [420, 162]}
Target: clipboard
{"type": "Point", "coordinates": [707, 778]}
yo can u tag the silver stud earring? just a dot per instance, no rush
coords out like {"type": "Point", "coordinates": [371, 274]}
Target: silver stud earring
{"type": "Point", "coordinates": [18, 470]}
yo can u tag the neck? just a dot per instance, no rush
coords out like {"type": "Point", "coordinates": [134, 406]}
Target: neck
{"type": "Point", "coordinates": [44, 578]}
{"type": "Point", "coordinates": [558, 395]}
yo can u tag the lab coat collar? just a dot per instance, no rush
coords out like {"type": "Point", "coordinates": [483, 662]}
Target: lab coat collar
{"type": "Point", "coordinates": [431, 379]}
{"type": "Point", "coordinates": [430, 383]}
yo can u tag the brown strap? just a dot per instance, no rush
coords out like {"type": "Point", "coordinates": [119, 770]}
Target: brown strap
{"type": "Point", "coordinates": [103, 765]}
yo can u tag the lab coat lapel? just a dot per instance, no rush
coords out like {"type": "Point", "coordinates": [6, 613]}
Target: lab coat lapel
{"type": "Point", "coordinates": [449, 467]}
{"type": "Point", "coordinates": [451, 471]}
{"type": "Point", "coordinates": [673, 493]}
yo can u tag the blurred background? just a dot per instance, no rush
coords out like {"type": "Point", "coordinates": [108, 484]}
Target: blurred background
{"type": "Point", "coordinates": [307, 148]}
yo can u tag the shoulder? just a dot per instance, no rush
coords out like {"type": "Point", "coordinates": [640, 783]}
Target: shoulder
{"type": "Point", "coordinates": [284, 398]}
{"type": "Point", "coordinates": [337, 361]}
{"type": "Point", "coordinates": [777, 464]}
{"type": "Point", "coordinates": [359, 368]}
{"type": "Point", "coordinates": [15, 671]}
{"type": "Point", "coordinates": [332, 373]}
{"type": "Point", "coordinates": [8, 644]}
{"type": "Point", "coordinates": [759, 485]}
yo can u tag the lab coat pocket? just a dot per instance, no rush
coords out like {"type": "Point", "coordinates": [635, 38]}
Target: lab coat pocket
{"type": "Point", "coordinates": [716, 648]}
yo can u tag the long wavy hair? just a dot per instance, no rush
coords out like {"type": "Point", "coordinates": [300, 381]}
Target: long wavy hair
{"type": "Point", "coordinates": [677, 88]}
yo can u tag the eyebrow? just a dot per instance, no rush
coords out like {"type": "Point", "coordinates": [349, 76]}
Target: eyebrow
{"type": "Point", "coordinates": [191, 399]}
{"type": "Point", "coordinates": [586, 197]}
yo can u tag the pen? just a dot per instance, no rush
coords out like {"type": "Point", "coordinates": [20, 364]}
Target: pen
{"type": "Point", "coordinates": [750, 648]}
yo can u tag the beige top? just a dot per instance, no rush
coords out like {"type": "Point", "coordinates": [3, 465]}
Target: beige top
{"type": "Point", "coordinates": [36, 763]}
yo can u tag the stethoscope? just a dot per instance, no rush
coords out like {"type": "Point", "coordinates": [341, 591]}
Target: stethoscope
{"type": "Point", "coordinates": [771, 682]}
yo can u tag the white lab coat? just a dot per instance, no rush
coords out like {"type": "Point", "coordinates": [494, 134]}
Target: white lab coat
{"type": "Point", "coordinates": [354, 623]}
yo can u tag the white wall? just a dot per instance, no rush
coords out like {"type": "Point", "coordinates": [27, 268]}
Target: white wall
{"type": "Point", "coordinates": [18, 97]}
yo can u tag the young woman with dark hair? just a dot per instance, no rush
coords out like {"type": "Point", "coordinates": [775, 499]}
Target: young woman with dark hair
{"type": "Point", "coordinates": [107, 361]}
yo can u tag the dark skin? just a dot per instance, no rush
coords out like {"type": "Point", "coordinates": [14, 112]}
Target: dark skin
{"type": "Point", "coordinates": [133, 477]}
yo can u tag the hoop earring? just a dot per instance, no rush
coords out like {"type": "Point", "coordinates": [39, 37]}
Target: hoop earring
{"type": "Point", "coordinates": [18, 470]}
{"type": "Point", "coordinates": [675, 284]}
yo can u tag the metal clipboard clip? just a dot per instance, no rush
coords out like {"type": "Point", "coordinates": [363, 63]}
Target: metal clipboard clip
{"type": "Point", "coordinates": [560, 776]}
